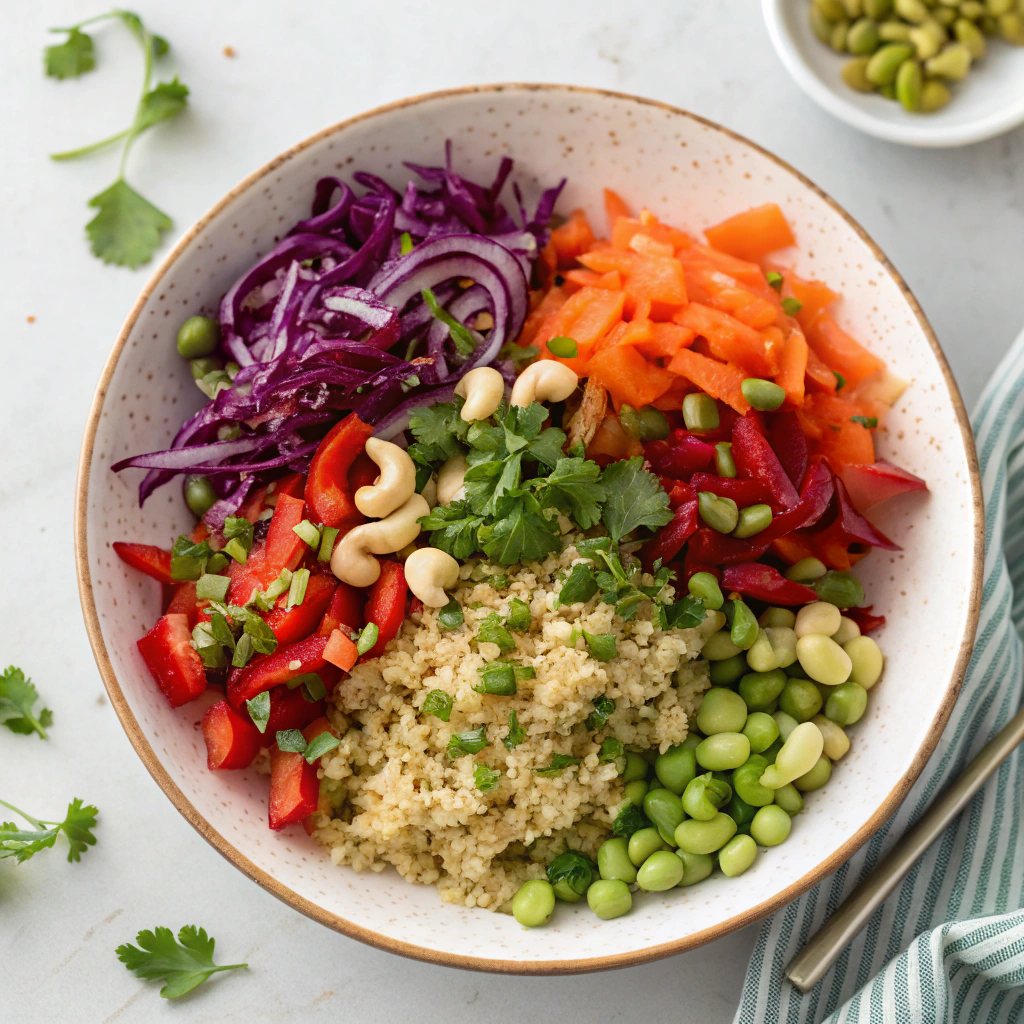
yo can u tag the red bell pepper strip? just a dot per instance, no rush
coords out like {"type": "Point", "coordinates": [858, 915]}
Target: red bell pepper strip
{"type": "Point", "coordinates": [169, 655]}
{"type": "Point", "coordinates": [854, 527]}
{"type": "Point", "coordinates": [255, 573]}
{"type": "Point", "coordinates": [669, 540]}
{"type": "Point", "coordinates": [875, 482]}
{"type": "Point", "coordinates": [294, 785]}
{"type": "Point", "coordinates": [683, 456]}
{"type": "Point", "coordinates": [742, 490]}
{"type": "Point", "coordinates": [232, 741]}
{"type": "Point", "coordinates": [754, 458]}
{"type": "Point", "coordinates": [292, 625]}
{"type": "Point", "coordinates": [678, 491]}
{"type": "Point", "coordinates": [183, 601]}
{"type": "Point", "coordinates": [765, 583]}
{"type": "Point", "coordinates": [345, 609]}
{"type": "Point", "coordinates": [284, 548]}
{"type": "Point", "coordinates": [289, 709]}
{"type": "Point", "coordinates": [266, 496]}
{"type": "Point", "coordinates": [790, 444]}
{"type": "Point", "coordinates": [867, 622]}
{"type": "Point", "coordinates": [270, 670]}
{"type": "Point", "coordinates": [147, 558]}
{"type": "Point", "coordinates": [386, 604]}
{"type": "Point", "coordinates": [328, 493]}
{"type": "Point", "coordinates": [341, 651]}
{"type": "Point", "coordinates": [363, 472]}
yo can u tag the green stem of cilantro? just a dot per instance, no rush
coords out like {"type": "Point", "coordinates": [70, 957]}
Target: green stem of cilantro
{"type": "Point", "coordinates": [90, 21]}
{"type": "Point", "coordinates": [34, 822]}
{"type": "Point", "coordinates": [73, 154]}
{"type": "Point", "coordinates": [147, 47]}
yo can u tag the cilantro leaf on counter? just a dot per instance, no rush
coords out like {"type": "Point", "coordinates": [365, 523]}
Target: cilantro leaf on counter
{"type": "Point", "coordinates": [72, 58]}
{"type": "Point", "coordinates": [183, 964]}
{"type": "Point", "coordinates": [77, 826]}
{"type": "Point", "coordinates": [18, 696]}
{"type": "Point", "coordinates": [635, 498]}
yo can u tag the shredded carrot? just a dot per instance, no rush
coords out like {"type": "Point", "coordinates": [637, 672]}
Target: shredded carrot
{"type": "Point", "coordinates": [720, 380]}
{"type": "Point", "coordinates": [572, 238]}
{"type": "Point", "coordinates": [729, 339]}
{"type": "Point", "coordinates": [841, 352]}
{"type": "Point", "coordinates": [793, 368]}
{"type": "Point", "coordinates": [614, 208]}
{"type": "Point", "coordinates": [752, 234]}
{"type": "Point", "coordinates": [628, 377]}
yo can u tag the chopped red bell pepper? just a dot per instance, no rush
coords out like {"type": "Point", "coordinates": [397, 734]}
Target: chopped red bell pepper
{"type": "Point", "coordinates": [742, 490]}
{"type": "Point", "coordinates": [263, 497]}
{"type": "Point", "coordinates": [184, 601]}
{"type": "Point", "coordinates": [284, 548]}
{"type": "Point", "coordinates": [790, 444]}
{"type": "Point", "coordinates": [292, 625]}
{"type": "Point", "coordinates": [341, 651]}
{"type": "Point", "coordinates": [270, 670]}
{"type": "Point", "coordinates": [683, 456]}
{"type": "Point", "coordinates": [328, 492]}
{"type": "Point", "coordinates": [386, 604]}
{"type": "Point", "coordinates": [867, 622]}
{"type": "Point", "coordinates": [875, 482]}
{"type": "Point", "coordinates": [363, 472]}
{"type": "Point", "coordinates": [147, 558]}
{"type": "Point", "coordinates": [255, 573]}
{"type": "Point", "coordinates": [289, 709]}
{"type": "Point", "coordinates": [765, 583]}
{"type": "Point", "coordinates": [232, 741]}
{"type": "Point", "coordinates": [754, 458]}
{"type": "Point", "coordinates": [169, 655]}
{"type": "Point", "coordinates": [346, 609]}
{"type": "Point", "coordinates": [669, 540]}
{"type": "Point", "coordinates": [678, 491]}
{"type": "Point", "coordinates": [854, 527]}
{"type": "Point", "coordinates": [294, 785]}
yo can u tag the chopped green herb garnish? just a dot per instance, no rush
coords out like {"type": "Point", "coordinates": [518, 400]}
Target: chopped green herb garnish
{"type": "Point", "coordinates": [243, 651]}
{"type": "Point", "coordinates": [519, 617]}
{"type": "Point", "coordinates": [450, 616]}
{"type": "Point", "coordinates": [297, 588]}
{"type": "Point", "coordinates": [594, 548]}
{"type": "Point", "coordinates": [559, 762]}
{"type": "Point", "coordinates": [307, 533]}
{"type": "Point", "coordinates": [516, 733]}
{"type": "Point", "coordinates": [485, 777]}
{"type": "Point", "coordinates": [265, 600]}
{"type": "Point", "coordinates": [524, 672]}
{"type": "Point", "coordinates": [688, 613]}
{"type": "Point", "coordinates": [573, 869]}
{"type": "Point", "coordinates": [598, 718]}
{"type": "Point", "coordinates": [564, 348]}
{"type": "Point", "coordinates": [262, 636]}
{"type": "Point", "coordinates": [18, 696]}
{"type": "Point", "coordinates": [313, 687]}
{"type": "Point", "coordinates": [840, 379]}
{"type": "Point", "coordinates": [259, 710]}
{"type": "Point", "coordinates": [602, 645]}
{"type": "Point", "coordinates": [368, 638]}
{"type": "Point", "coordinates": [461, 336]}
{"type": "Point", "coordinates": [629, 820]}
{"type": "Point", "coordinates": [497, 678]}
{"type": "Point", "coordinates": [491, 631]}
{"type": "Point", "coordinates": [328, 535]}
{"type": "Point", "coordinates": [519, 355]}
{"type": "Point", "coordinates": [291, 740]}
{"type": "Point", "coordinates": [320, 745]}
{"type": "Point", "coordinates": [791, 306]}
{"type": "Point", "coordinates": [774, 278]}
{"type": "Point", "coordinates": [579, 586]}
{"type": "Point", "coordinates": [611, 750]}
{"type": "Point", "coordinates": [214, 588]}
{"type": "Point", "coordinates": [77, 826]}
{"type": "Point", "coordinates": [575, 487]}
{"type": "Point", "coordinates": [868, 422]}
{"type": "Point", "coordinates": [471, 741]}
{"type": "Point", "coordinates": [189, 560]}
{"type": "Point", "coordinates": [406, 243]}
{"type": "Point", "coordinates": [635, 498]}
{"type": "Point", "coordinates": [439, 704]}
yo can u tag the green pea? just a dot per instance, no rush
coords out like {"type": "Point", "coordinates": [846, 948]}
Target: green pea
{"type": "Point", "coordinates": [819, 774]}
{"type": "Point", "coordinates": [771, 826]}
{"type": "Point", "coordinates": [613, 860]}
{"type": "Point", "coordinates": [842, 589]}
{"type": "Point", "coordinates": [700, 412]}
{"type": "Point", "coordinates": [696, 867]}
{"type": "Point", "coordinates": [198, 336]}
{"type": "Point", "coordinates": [662, 870]}
{"type": "Point", "coordinates": [764, 395]}
{"type": "Point", "coordinates": [643, 843]}
{"type": "Point", "coordinates": [746, 780]}
{"type": "Point", "coordinates": [721, 710]}
{"type": "Point", "coordinates": [704, 587]}
{"type": "Point", "coordinates": [789, 799]}
{"type": "Point", "coordinates": [705, 836]}
{"type": "Point", "coordinates": [723, 751]}
{"type": "Point", "coordinates": [609, 898]}
{"type": "Point", "coordinates": [744, 627]}
{"type": "Point", "coordinates": [777, 618]}
{"type": "Point", "coordinates": [199, 494]}
{"type": "Point", "coordinates": [760, 690]}
{"type": "Point", "coordinates": [721, 514]}
{"type": "Point", "coordinates": [653, 424]}
{"type": "Point", "coordinates": [737, 855]}
{"type": "Point", "coordinates": [665, 810]}
{"type": "Point", "coordinates": [761, 731]}
{"type": "Point", "coordinates": [704, 796]}
{"type": "Point", "coordinates": [201, 367]}
{"type": "Point", "coordinates": [719, 646]}
{"type": "Point", "coordinates": [565, 892]}
{"type": "Point", "coordinates": [675, 768]}
{"type": "Point", "coordinates": [635, 791]}
{"type": "Point", "coordinates": [725, 465]}
{"type": "Point", "coordinates": [636, 767]}
{"type": "Point", "coordinates": [725, 673]}
{"type": "Point", "coordinates": [630, 420]}
{"type": "Point", "coordinates": [741, 812]}
{"type": "Point", "coordinates": [846, 704]}
{"type": "Point", "coordinates": [800, 699]}
{"type": "Point", "coordinates": [886, 62]}
{"type": "Point", "coordinates": [533, 902]}
{"type": "Point", "coordinates": [753, 519]}
{"type": "Point", "coordinates": [564, 348]}
{"type": "Point", "coordinates": [863, 38]}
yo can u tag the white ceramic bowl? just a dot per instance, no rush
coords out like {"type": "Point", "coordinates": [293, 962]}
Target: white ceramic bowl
{"type": "Point", "coordinates": [987, 103]}
{"type": "Point", "coordinates": [691, 173]}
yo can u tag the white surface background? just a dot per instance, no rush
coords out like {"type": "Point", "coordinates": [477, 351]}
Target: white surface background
{"type": "Point", "coordinates": [951, 221]}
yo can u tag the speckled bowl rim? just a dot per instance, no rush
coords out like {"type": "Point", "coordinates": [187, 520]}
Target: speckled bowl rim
{"type": "Point", "coordinates": [372, 938]}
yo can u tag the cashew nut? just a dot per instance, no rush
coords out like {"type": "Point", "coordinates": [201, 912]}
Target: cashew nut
{"type": "Point", "coordinates": [396, 482]}
{"type": "Point", "coordinates": [544, 381]}
{"type": "Point", "coordinates": [483, 389]}
{"type": "Point", "coordinates": [450, 479]}
{"type": "Point", "coordinates": [430, 491]}
{"type": "Point", "coordinates": [353, 561]}
{"type": "Point", "coordinates": [429, 571]}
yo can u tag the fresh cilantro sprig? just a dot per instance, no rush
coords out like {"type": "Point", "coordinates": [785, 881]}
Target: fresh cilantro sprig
{"type": "Point", "coordinates": [183, 964]}
{"type": "Point", "coordinates": [18, 697]}
{"type": "Point", "coordinates": [127, 228]}
{"type": "Point", "coordinates": [77, 826]}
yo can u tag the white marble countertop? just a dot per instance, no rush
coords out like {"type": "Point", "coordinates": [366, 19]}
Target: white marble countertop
{"type": "Point", "coordinates": [952, 222]}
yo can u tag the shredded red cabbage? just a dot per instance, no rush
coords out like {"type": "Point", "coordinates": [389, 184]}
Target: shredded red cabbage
{"type": "Point", "coordinates": [332, 320]}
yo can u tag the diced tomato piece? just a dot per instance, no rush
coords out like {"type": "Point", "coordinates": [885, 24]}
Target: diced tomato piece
{"type": "Point", "coordinates": [184, 602]}
{"type": "Point", "coordinates": [341, 651]}
{"type": "Point", "coordinates": [289, 709]}
{"type": "Point", "coordinates": [327, 488]}
{"type": "Point", "coordinates": [753, 233]}
{"type": "Point", "coordinates": [872, 483]}
{"type": "Point", "coordinates": [386, 604]}
{"type": "Point", "coordinates": [172, 660]}
{"type": "Point", "coordinates": [270, 670]}
{"type": "Point", "coordinates": [291, 625]}
{"type": "Point", "coordinates": [232, 741]}
{"type": "Point", "coordinates": [284, 548]}
{"type": "Point", "coordinates": [147, 558]}
{"type": "Point", "coordinates": [345, 609]}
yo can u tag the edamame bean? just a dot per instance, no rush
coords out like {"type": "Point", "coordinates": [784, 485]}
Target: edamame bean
{"type": "Point", "coordinates": [842, 589]}
{"type": "Point", "coordinates": [789, 799]}
{"type": "Point", "coordinates": [705, 796]}
{"type": "Point", "coordinates": [1011, 27]}
{"type": "Point", "coordinates": [760, 656]}
{"type": "Point", "coordinates": [847, 704]}
{"type": "Point", "coordinates": [914, 11]}
{"type": "Point", "coordinates": [820, 25]}
{"type": "Point", "coordinates": [721, 710]}
{"type": "Point", "coordinates": [693, 740]}
{"type": "Point", "coordinates": [831, 9]}
{"type": "Point", "coordinates": [613, 860]}
{"type": "Point", "coordinates": [700, 412]}
{"type": "Point", "coordinates": [741, 812]}
{"type": "Point", "coordinates": [665, 810]}
{"type": "Point", "coordinates": [971, 36]}
{"type": "Point", "coordinates": [609, 898]}
{"type": "Point", "coordinates": [725, 465]}
{"type": "Point", "coordinates": [952, 63]}
{"type": "Point", "coordinates": [778, 617]}
{"type": "Point", "coordinates": [800, 699]}
{"type": "Point", "coordinates": [704, 587]}
{"type": "Point", "coordinates": [814, 779]}
{"type": "Point", "coordinates": [772, 752]}
{"type": "Point", "coordinates": [723, 751]}
{"type": "Point", "coordinates": [662, 870]}
{"type": "Point", "coordinates": [643, 843]}
{"type": "Point", "coordinates": [635, 791]}
{"type": "Point", "coordinates": [764, 395]}
{"type": "Point", "coordinates": [696, 866]}
{"type": "Point", "coordinates": [877, 9]}
{"type": "Point", "coordinates": [737, 855]}
{"type": "Point", "coordinates": [771, 826]}
{"type": "Point", "coordinates": [761, 731]}
{"type": "Point", "coordinates": [797, 757]}
{"type": "Point", "coordinates": [636, 767]}
{"type": "Point", "coordinates": [884, 65]}
{"type": "Point", "coordinates": [725, 673]}
{"type": "Point", "coordinates": [973, 9]}
{"type": "Point", "coordinates": [786, 724]}
{"type": "Point", "coordinates": [894, 32]}
{"type": "Point", "coordinates": [909, 85]}
{"type": "Point", "coordinates": [198, 336]}
{"type": "Point", "coordinates": [705, 836]}
{"type": "Point", "coordinates": [835, 742]}
{"type": "Point", "coordinates": [721, 514]}
{"type": "Point", "coordinates": [838, 38]}
{"type": "Point", "coordinates": [630, 421]}
{"type": "Point", "coordinates": [807, 570]}
{"type": "Point", "coordinates": [746, 780]}
{"type": "Point", "coordinates": [653, 424]}
{"type": "Point", "coordinates": [719, 646]}
{"type": "Point", "coordinates": [676, 768]}
{"type": "Point", "coordinates": [866, 661]}
{"type": "Point", "coordinates": [753, 519]}
{"type": "Point", "coordinates": [201, 367]}
{"type": "Point", "coordinates": [817, 617]}
{"type": "Point", "coordinates": [934, 96]}
{"type": "Point", "coordinates": [533, 902]}
{"type": "Point", "coordinates": [823, 659]}
{"type": "Point", "coordinates": [847, 630]}
{"type": "Point", "coordinates": [760, 690]}
{"type": "Point", "coordinates": [862, 39]}
{"type": "Point", "coordinates": [199, 494]}
{"type": "Point", "coordinates": [744, 628]}
{"type": "Point", "coordinates": [783, 641]}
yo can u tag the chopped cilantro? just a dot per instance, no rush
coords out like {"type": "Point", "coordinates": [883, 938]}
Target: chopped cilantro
{"type": "Point", "coordinates": [439, 704]}
{"type": "Point", "coordinates": [454, 529]}
{"type": "Point", "coordinates": [485, 777]}
{"type": "Point", "coordinates": [497, 678]}
{"type": "Point", "coordinates": [471, 741]}
{"type": "Point", "coordinates": [635, 498]}
{"type": "Point", "coordinates": [629, 820]}
{"type": "Point", "coordinates": [516, 733]}
{"type": "Point", "coordinates": [574, 487]}
{"type": "Point", "coordinates": [602, 645]}
{"type": "Point", "coordinates": [450, 616]}
{"type": "Point", "coordinates": [598, 718]}
{"type": "Point", "coordinates": [519, 617]}
{"type": "Point", "coordinates": [579, 586]}
{"type": "Point", "coordinates": [573, 869]}
{"type": "Point", "coordinates": [491, 631]}
{"type": "Point", "coordinates": [559, 762]}
{"type": "Point", "coordinates": [611, 750]}
{"type": "Point", "coordinates": [868, 422]}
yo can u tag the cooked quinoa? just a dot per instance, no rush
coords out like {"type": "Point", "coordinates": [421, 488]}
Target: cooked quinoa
{"type": "Point", "coordinates": [397, 797]}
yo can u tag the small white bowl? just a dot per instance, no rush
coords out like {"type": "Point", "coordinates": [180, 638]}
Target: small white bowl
{"type": "Point", "coordinates": [987, 103]}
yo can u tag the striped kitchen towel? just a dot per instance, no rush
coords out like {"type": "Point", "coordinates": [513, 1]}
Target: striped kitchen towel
{"type": "Point", "coordinates": [948, 944]}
